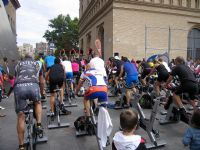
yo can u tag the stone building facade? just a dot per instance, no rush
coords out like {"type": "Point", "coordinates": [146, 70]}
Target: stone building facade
{"type": "Point", "coordinates": [8, 45]}
{"type": "Point", "coordinates": [140, 28]}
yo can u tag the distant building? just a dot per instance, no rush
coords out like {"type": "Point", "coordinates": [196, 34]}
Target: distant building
{"type": "Point", "coordinates": [140, 28]}
{"type": "Point", "coordinates": [26, 48]}
{"type": "Point", "coordinates": [42, 47]}
{"type": "Point", "coordinates": [8, 45]}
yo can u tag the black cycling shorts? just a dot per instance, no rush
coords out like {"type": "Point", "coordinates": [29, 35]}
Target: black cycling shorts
{"type": "Point", "coordinates": [188, 87]}
{"type": "Point", "coordinates": [163, 77]}
{"type": "Point", "coordinates": [144, 73]}
{"type": "Point", "coordinates": [53, 84]}
{"type": "Point", "coordinates": [24, 92]}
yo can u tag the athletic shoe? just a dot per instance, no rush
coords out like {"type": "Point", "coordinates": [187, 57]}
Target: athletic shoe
{"type": "Point", "coordinates": [39, 131]}
{"type": "Point", "coordinates": [21, 147]}
{"type": "Point", "coordinates": [184, 116]}
{"type": "Point", "coordinates": [43, 97]}
{"type": "Point", "coordinates": [64, 111]}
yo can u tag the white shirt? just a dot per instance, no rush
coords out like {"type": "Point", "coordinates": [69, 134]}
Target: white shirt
{"type": "Point", "coordinates": [67, 66]}
{"type": "Point", "coordinates": [166, 66]}
{"type": "Point", "coordinates": [98, 64]}
{"type": "Point", "coordinates": [123, 142]}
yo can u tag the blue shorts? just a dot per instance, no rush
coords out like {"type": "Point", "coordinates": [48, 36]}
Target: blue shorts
{"type": "Point", "coordinates": [69, 75]}
{"type": "Point", "coordinates": [99, 92]}
{"type": "Point", "coordinates": [131, 81]}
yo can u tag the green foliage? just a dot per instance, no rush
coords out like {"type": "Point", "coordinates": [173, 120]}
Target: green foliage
{"type": "Point", "coordinates": [63, 33]}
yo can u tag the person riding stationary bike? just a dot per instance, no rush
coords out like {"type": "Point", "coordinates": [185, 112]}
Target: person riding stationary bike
{"type": "Point", "coordinates": [27, 88]}
{"type": "Point", "coordinates": [188, 84]}
{"type": "Point", "coordinates": [131, 77]}
{"type": "Point", "coordinates": [56, 77]}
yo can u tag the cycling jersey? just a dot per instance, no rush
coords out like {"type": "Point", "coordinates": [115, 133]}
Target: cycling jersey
{"type": "Point", "coordinates": [49, 60]}
{"type": "Point", "coordinates": [27, 71]}
{"type": "Point", "coordinates": [94, 77]}
{"type": "Point", "coordinates": [67, 66]}
{"type": "Point", "coordinates": [75, 66]}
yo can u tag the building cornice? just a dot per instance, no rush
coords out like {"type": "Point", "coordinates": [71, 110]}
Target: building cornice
{"type": "Point", "coordinates": [84, 25]}
{"type": "Point", "coordinates": [158, 5]}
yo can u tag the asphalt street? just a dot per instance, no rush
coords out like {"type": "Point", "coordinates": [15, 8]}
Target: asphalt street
{"type": "Point", "coordinates": [65, 139]}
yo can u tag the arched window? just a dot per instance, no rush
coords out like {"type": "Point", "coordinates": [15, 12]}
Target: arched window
{"type": "Point", "coordinates": [189, 3]}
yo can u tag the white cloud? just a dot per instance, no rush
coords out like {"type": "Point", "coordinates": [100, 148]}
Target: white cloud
{"type": "Point", "coordinates": [33, 17]}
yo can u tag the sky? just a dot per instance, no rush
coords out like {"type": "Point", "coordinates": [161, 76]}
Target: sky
{"type": "Point", "coordinates": [33, 17]}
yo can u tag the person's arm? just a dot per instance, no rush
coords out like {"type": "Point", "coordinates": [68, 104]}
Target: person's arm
{"type": "Point", "coordinates": [47, 75]}
{"type": "Point", "coordinates": [187, 137]}
{"type": "Point", "coordinates": [80, 83]}
{"type": "Point", "coordinates": [121, 71]}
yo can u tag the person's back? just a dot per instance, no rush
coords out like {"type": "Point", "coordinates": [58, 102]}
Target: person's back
{"type": "Point", "coordinates": [94, 77]}
{"type": "Point", "coordinates": [56, 72]}
{"type": "Point", "coordinates": [67, 66]}
{"type": "Point", "coordinates": [75, 66]}
{"type": "Point", "coordinates": [27, 71]}
{"type": "Point", "coordinates": [130, 69]}
{"type": "Point", "coordinates": [98, 64]}
{"type": "Point", "coordinates": [184, 73]}
{"type": "Point", "coordinates": [49, 61]}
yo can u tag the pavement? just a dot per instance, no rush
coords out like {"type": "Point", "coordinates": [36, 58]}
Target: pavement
{"type": "Point", "coordinates": [65, 139]}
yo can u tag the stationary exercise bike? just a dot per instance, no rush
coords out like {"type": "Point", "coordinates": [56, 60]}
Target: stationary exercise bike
{"type": "Point", "coordinates": [148, 124]}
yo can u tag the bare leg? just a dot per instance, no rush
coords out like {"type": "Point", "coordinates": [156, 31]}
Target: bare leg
{"type": "Point", "coordinates": [128, 96]}
{"type": "Point", "coordinates": [52, 100]}
{"type": "Point", "coordinates": [87, 107]}
{"type": "Point", "coordinates": [61, 94]}
{"type": "Point", "coordinates": [157, 88]}
{"type": "Point", "coordinates": [20, 127]}
{"type": "Point", "coordinates": [38, 112]}
{"type": "Point", "coordinates": [177, 100]}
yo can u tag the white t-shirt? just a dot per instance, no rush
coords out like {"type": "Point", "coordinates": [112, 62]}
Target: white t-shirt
{"type": "Point", "coordinates": [67, 66]}
{"type": "Point", "coordinates": [166, 66]}
{"type": "Point", "coordinates": [123, 142]}
{"type": "Point", "coordinates": [98, 64]}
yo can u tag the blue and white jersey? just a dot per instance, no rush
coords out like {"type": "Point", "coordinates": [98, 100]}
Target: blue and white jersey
{"type": "Point", "coordinates": [93, 77]}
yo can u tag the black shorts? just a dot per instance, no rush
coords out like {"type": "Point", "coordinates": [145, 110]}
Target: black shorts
{"type": "Point", "coordinates": [145, 72]}
{"type": "Point", "coordinates": [53, 84]}
{"type": "Point", "coordinates": [188, 87]}
{"type": "Point", "coordinates": [163, 77]}
{"type": "Point", "coordinates": [23, 92]}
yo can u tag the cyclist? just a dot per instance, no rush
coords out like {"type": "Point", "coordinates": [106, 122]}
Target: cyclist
{"type": "Point", "coordinates": [144, 69]}
{"type": "Point", "coordinates": [56, 77]}
{"type": "Point", "coordinates": [97, 87]}
{"type": "Point", "coordinates": [76, 69]}
{"type": "Point", "coordinates": [68, 71]}
{"type": "Point", "coordinates": [131, 74]}
{"type": "Point", "coordinates": [162, 73]}
{"type": "Point", "coordinates": [49, 61]}
{"type": "Point", "coordinates": [26, 87]}
{"type": "Point", "coordinates": [188, 84]}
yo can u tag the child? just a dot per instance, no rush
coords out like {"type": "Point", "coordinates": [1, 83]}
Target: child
{"type": "Point", "coordinates": [126, 139]}
{"type": "Point", "coordinates": [192, 135]}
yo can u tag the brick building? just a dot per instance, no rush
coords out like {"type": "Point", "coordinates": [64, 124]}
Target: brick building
{"type": "Point", "coordinates": [140, 28]}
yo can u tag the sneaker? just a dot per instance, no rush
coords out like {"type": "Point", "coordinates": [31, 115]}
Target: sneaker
{"type": "Point", "coordinates": [43, 97]}
{"type": "Point", "coordinates": [184, 116]}
{"type": "Point", "coordinates": [64, 111]}
{"type": "Point", "coordinates": [21, 147]}
{"type": "Point", "coordinates": [52, 114]}
{"type": "Point", "coordinates": [39, 131]}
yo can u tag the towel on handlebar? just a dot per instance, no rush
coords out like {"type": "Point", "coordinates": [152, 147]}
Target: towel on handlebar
{"type": "Point", "coordinates": [104, 126]}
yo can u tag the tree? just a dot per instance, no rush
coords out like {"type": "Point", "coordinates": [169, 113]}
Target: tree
{"type": "Point", "coordinates": [63, 33]}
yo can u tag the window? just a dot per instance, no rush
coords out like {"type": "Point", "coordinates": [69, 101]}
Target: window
{"type": "Point", "coordinates": [196, 3]}
{"type": "Point", "coordinates": [179, 2]}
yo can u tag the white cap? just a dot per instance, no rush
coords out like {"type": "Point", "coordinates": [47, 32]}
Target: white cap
{"type": "Point", "coordinates": [117, 57]}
